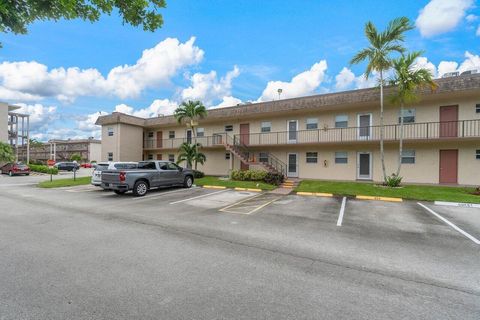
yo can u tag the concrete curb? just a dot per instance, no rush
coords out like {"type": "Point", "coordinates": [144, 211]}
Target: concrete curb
{"type": "Point", "coordinates": [318, 194]}
{"type": "Point", "coordinates": [360, 197]}
{"type": "Point", "coordinates": [247, 189]}
{"type": "Point", "coordinates": [214, 187]}
{"type": "Point", "coordinates": [237, 189]}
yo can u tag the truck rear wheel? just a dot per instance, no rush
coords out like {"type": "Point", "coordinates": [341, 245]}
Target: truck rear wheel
{"type": "Point", "coordinates": [187, 183]}
{"type": "Point", "coordinates": [140, 188]}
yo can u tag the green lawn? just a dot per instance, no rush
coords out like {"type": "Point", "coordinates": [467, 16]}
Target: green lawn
{"type": "Point", "coordinates": [57, 183]}
{"type": "Point", "coordinates": [215, 181]}
{"type": "Point", "coordinates": [414, 192]}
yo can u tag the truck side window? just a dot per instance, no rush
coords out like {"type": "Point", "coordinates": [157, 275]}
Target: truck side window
{"type": "Point", "coordinates": [146, 165]}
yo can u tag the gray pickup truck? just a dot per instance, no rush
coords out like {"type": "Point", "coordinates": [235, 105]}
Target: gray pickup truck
{"type": "Point", "coordinates": [149, 174]}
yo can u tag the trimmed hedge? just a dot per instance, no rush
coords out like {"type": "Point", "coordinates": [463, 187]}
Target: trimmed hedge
{"type": "Point", "coordinates": [257, 175]}
{"type": "Point", "coordinates": [43, 169]}
{"type": "Point", "coordinates": [248, 175]}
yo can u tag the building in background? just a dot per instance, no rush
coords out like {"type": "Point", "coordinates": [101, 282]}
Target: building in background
{"type": "Point", "coordinates": [15, 129]}
{"type": "Point", "coordinates": [63, 150]}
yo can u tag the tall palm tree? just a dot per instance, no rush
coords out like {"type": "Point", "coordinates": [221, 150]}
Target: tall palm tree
{"type": "Point", "coordinates": [408, 80]}
{"type": "Point", "coordinates": [382, 45]}
{"type": "Point", "coordinates": [190, 154]}
{"type": "Point", "coordinates": [190, 111]}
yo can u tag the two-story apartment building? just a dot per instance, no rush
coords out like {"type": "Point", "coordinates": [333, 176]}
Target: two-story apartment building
{"type": "Point", "coordinates": [331, 136]}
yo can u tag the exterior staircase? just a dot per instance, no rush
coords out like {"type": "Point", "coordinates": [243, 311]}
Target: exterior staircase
{"type": "Point", "coordinates": [290, 183]}
{"type": "Point", "coordinates": [247, 157]}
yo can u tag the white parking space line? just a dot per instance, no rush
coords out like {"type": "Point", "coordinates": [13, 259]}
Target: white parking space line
{"type": "Point", "coordinates": [17, 184]}
{"type": "Point", "coordinates": [202, 196]}
{"type": "Point", "coordinates": [162, 194]}
{"type": "Point", "coordinates": [342, 210]}
{"type": "Point", "coordinates": [466, 234]}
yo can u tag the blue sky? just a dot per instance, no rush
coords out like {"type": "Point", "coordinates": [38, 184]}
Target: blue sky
{"type": "Point", "coordinates": [222, 52]}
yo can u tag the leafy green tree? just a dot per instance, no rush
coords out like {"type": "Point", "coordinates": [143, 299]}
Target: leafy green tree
{"type": "Point", "coordinates": [190, 154]}
{"type": "Point", "coordinates": [76, 157]}
{"type": "Point", "coordinates": [378, 56]}
{"type": "Point", "coordinates": [6, 152]}
{"type": "Point", "coordinates": [408, 80]}
{"type": "Point", "coordinates": [16, 15]}
{"type": "Point", "coordinates": [190, 111]}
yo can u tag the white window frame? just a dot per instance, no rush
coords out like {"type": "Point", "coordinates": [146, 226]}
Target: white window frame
{"type": "Point", "coordinates": [260, 156]}
{"type": "Point", "coordinates": [310, 121]}
{"type": "Point", "coordinates": [405, 110]}
{"type": "Point", "coordinates": [477, 154]}
{"type": "Point", "coordinates": [369, 126]}
{"type": "Point", "coordinates": [337, 153]}
{"type": "Point", "coordinates": [477, 108]}
{"type": "Point", "coordinates": [110, 156]}
{"type": "Point", "coordinates": [150, 156]}
{"type": "Point", "coordinates": [288, 132]}
{"type": "Point", "coordinates": [200, 132]}
{"type": "Point", "coordinates": [150, 134]}
{"type": "Point", "coordinates": [170, 134]}
{"type": "Point", "coordinates": [171, 157]}
{"type": "Point", "coordinates": [336, 120]}
{"type": "Point", "coordinates": [313, 156]}
{"type": "Point", "coordinates": [412, 155]}
{"type": "Point", "coordinates": [110, 131]}
{"type": "Point", "coordinates": [227, 156]}
{"type": "Point", "coordinates": [228, 125]}
{"type": "Point", "coordinates": [266, 126]}
{"type": "Point", "coordinates": [359, 177]}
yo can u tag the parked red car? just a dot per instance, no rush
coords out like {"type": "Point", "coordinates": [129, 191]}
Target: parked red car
{"type": "Point", "coordinates": [15, 168]}
{"type": "Point", "coordinates": [86, 165]}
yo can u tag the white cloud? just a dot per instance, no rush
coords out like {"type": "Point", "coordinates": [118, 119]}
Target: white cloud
{"type": "Point", "coordinates": [207, 88]}
{"type": "Point", "coordinates": [158, 107]}
{"type": "Point", "coordinates": [471, 62]}
{"type": "Point", "coordinates": [228, 101]}
{"type": "Point", "coordinates": [440, 16]}
{"type": "Point", "coordinates": [87, 123]}
{"type": "Point", "coordinates": [344, 79]}
{"type": "Point", "coordinates": [32, 80]}
{"type": "Point", "coordinates": [446, 66]}
{"type": "Point", "coordinates": [304, 83]}
{"type": "Point", "coordinates": [471, 18]}
{"type": "Point", "coordinates": [40, 116]}
{"type": "Point", "coordinates": [422, 62]}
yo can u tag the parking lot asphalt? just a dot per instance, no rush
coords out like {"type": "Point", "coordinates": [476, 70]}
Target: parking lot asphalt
{"type": "Point", "coordinates": [80, 252]}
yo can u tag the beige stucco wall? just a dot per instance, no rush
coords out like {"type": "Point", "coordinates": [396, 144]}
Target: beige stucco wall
{"type": "Point", "coordinates": [95, 152]}
{"type": "Point", "coordinates": [3, 122]}
{"type": "Point", "coordinates": [126, 142]}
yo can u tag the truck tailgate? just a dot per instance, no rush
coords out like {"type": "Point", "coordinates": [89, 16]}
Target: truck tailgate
{"type": "Point", "coordinates": [110, 176]}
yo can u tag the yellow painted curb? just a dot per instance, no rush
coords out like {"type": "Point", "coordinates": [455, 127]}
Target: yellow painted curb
{"type": "Point", "coordinates": [305, 193]}
{"type": "Point", "coordinates": [254, 190]}
{"type": "Point", "coordinates": [215, 187]}
{"type": "Point", "coordinates": [321, 194]}
{"type": "Point", "coordinates": [240, 189]}
{"type": "Point", "coordinates": [318, 194]}
{"type": "Point", "coordinates": [379, 198]}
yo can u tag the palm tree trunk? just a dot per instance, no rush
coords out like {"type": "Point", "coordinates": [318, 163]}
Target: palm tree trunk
{"type": "Point", "coordinates": [382, 129]}
{"type": "Point", "coordinates": [400, 147]}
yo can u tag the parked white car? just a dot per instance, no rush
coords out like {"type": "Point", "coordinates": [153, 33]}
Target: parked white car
{"type": "Point", "coordinates": [101, 166]}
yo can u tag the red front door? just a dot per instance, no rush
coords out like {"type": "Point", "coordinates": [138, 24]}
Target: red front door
{"type": "Point", "coordinates": [448, 166]}
{"type": "Point", "coordinates": [448, 121]}
{"type": "Point", "coordinates": [245, 133]}
{"type": "Point", "coordinates": [159, 139]}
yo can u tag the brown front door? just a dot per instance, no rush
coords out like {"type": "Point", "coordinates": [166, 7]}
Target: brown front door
{"type": "Point", "coordinates": [159, 156]}
{"type": "Point", "coordinates": [159, 139]}
{"type": "Point", "coordinates": [245, 133]}
{"type": "Point", "coordinates": [448, 166]}
{"type": "Point", "coordinates": [448, 121]}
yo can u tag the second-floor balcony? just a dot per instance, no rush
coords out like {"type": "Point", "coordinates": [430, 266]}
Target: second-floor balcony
{"type": "Point", "coordinates": [462, 129]}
